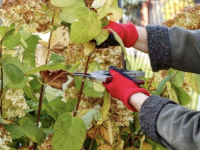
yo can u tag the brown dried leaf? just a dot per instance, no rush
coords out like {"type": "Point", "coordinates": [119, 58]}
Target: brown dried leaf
{"type": "Point", "coordinates": [60, 39]}
{"type": "Point", "coordinates": [105, 147]}
{"type": "Point", "coordinates": [105, 134]}
{"type": "Point", "coordinates": [54, 79]}
{"type": "Point", "coordinates": [41, 55]}
{"type": "Point", "coordinates": [93, 132]}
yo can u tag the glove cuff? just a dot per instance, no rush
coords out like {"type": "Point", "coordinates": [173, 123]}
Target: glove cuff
{"type": "Point", "coordinates": [131, 34]}
{"type": "Point", "coordinates": [129, 93]}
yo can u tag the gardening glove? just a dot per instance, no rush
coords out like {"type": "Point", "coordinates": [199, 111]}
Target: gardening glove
{"type": "Point", "coordinates": [122, 86]}
{"type": "Point", "coordinates": [127, 32]}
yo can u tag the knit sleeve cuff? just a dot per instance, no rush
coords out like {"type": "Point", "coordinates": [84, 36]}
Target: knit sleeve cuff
{"type": "Point", "coordinates": [159, 47]}
{"type": "Point", "coordinates": [148, 116]}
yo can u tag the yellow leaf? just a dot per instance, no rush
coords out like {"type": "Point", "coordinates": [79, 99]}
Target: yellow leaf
{"type": "Point", "coordinates": [45, 43]}
{"type": "Point", "coordinates": [171, 92]}
{"type": "Point", "coordinates": [110, 132]}
{"type": "Point", "coordinates": [105, 108]}
{"type": "Point", "coordinates": [89, 47]}
{"type": "Point", "coordinates": [193, 80]}
{"type": "Point", "coordinates": [104, 10]}
{"type": "Point", "coordinates": [98, 86]}
{"type": "Point", "coordinates": [104, 133]}
{"type": "Point", "coordinates": [145, 146]}
{"type": "Point", "coordinates": [105, 147]}
{"type": "Point", "coordinates": [98, 3]}
{"type": "Point", "coordinates": [17, 28]}
{"type": "Point", "coordinates": [60, 39]}
{"type": "Point", "coordinates": [116, 13]}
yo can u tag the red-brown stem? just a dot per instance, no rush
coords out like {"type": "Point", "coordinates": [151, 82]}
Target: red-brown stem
{"type": "Point", "coordinates": [42, 88]}
{"type": "Point", "coordinates": [1, 109]}
{"type": "Point", "coordinates": [82, 85]}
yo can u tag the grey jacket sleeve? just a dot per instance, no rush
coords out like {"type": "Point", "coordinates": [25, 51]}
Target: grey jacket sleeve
{"type": "Point", "coordinates": [175, 47]}
{"type": "Point", "coordinates": [163, 120]}
{"type": "Point", "coordinates": [169, 124]}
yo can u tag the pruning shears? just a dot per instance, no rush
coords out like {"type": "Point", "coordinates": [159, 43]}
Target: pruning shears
{"type": "Point", "coordinates": [104, 76]}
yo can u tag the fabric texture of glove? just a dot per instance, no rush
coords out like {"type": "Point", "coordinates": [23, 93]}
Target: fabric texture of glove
{"type": "Point", "coordinates": [127, 32]}
{"type": "Point", "coordinates": [122, 87]}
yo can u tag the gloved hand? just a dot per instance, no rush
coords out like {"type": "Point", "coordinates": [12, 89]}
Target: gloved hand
{"type": "Point", "coordinates": [127, 32]}
{"type": "Point", "coordinates": [122, 87]}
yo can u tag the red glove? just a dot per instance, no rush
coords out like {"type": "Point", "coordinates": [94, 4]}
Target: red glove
{"type": "Point", "coordinates": [127, 32]}
{"type": "Point", "coordinates": [122, 87]}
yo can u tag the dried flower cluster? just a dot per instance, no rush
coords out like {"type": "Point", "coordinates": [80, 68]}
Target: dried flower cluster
{"type": "Point", "coordinates": [30, 13]}
{"type": "Point", "coordinates": [46, 144]}
{"type": "Point", "coordinates": [5, 138]}
{"type": "Point", "coordinates": [188, 18]}
{"type": "Point", "coordinates": [105, 57]}
{"type": "Point", "coordinates": [14, 104]}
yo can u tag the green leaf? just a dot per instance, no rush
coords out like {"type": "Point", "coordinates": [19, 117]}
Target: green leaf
{"type": "Point", "coordinates": [87, 28]}
{"type": "Point", "coordinates": [88, 89]}
{"type": "Point", "coordinates": [119, 40]}
{"type": "Point", "coordinates": [89, 116]}
{"type": "Point", "coordinates": [193, 80]}
{"type": "Point", "coordinates": [11, 39]}
{"type": "Point", "coordinates": [63, 3]}
{"type": "Point", "coordinates": [105, 108]}
{"type": "Point", "coordinates": [71, 103]}
{"type": "Point", "coordinates": [55, 58]}
{"type": "Point", "coordinates": [2, 31]}
{"type": "Point", "coordinates": [29, 53]}
{"type": "Point", "coordinates": [25, 35]}
{"type": "Point", "coordinates": [52, 93]}
{"type": "Point", "coordinates": [15, 131]}
{"type": "Point", "coordinates": [183, 97]}
{"type": "Point", "coordinates": [66, 13]}
{"type": "Point", "coordinates": [102, 37]}
{"type": "Point", "coordinates": [58, 105]}
{"type": "Point", "coordinates": [21, 69]}
{"type": "Point", "coordinates": [178, 79]}
{"type": "Point", "coordinates": [31, 130]}
{"type": "Point", "coordinates": [14, 74]}
{"type": "Point", "coordinates": [88, 142]}
{"type": "Point", "coordinates": [69, 132]}
{"type": "Point", "coordinates": [34, 83]}
{"type": "Point", "coordinates": [161, 86]}
{"type": "Point", "coordinates": [29, 93]}
{"type": "Point", "coordinates": [74, 67]}
{"type": "Point", "coordinates": [51, 66]}
{"type": "Point", "coordinates": [172, 93]}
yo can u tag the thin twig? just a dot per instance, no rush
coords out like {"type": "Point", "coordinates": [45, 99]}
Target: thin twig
{"type": "Point", "coordinates": [93, 138]}
{"type": "Point", "coordinates": [151, 81]}
{"type": "Point", "coordinates": [1, 109]}
{"type": "Point", "coordinates": [43, 86]}
{"type": "Point", "coordinates": [126, 143]}
{"type": "Point", "coordinates": [171, 79]}
{"type": "Point", "coordinates": [82, 85]}
{"type": "Point", "coordinates": [136, 137]}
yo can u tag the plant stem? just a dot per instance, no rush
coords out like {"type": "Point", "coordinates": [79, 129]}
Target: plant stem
{"type": "Point", "coordinates": [43, 86]}
{"type": "Point", "coordinates": [126, 143]}
{"type": "Point", "coordinates": [136, 137]}
{"type": "Point", "coordinates": [82, 85]}
{"type": "Point", "coordinates": [1, 48]}
{"type": "Point", "coordinates": [93, 138]}
{"type": "Point", "coordinates": [151, 81]}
